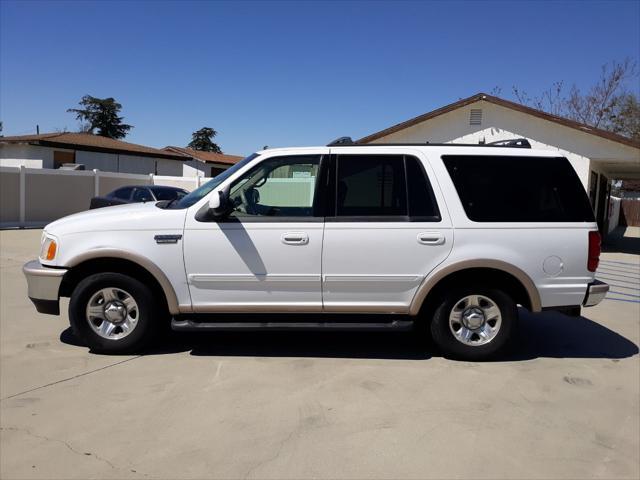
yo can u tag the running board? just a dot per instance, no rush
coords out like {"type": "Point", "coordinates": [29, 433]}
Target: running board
{"type": "Point", "coordinates": [191, 326]}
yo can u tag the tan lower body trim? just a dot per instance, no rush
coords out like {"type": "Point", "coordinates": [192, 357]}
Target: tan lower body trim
{"type": "Point", "coordinates": [148, 265]}
{"type": "Point", "coordinates": [432, 280]}
{"type": "Point", "coordinates": [257, 308]}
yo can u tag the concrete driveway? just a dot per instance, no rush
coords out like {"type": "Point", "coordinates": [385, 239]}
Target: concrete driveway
{"type": "Point", "coordinates": [273, 405]}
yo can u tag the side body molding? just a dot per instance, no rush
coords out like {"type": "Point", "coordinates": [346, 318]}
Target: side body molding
{"type": "Point", "coordinates": [152, 268]}
{"type": "Point", "coordinates": [433, 278]}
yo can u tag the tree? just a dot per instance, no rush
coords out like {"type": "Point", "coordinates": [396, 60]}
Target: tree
{"type": "Point", "coordinates": [626, 120]}
{"type": "Point", "coordinates": [202, 140]}
{"type": "Point", "coordinates": [608, 104]}
{"type": "Point", "coordinates": [101, 114]}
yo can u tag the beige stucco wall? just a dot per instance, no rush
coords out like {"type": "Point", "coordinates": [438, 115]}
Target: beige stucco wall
{"type": "Point", "coordinates": [169, 167]}
{"type": "Point", "coordinates": [31, 156]}
{"type": "Point", "coordinates": [106, 162]}
{"type": "Point", "coordinates": [194, 168]}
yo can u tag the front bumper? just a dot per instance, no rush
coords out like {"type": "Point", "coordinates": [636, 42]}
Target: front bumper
{"type": "Point", "coordinates": [44, 286]}
{"type": "Point", "coordinates": [596, 292]}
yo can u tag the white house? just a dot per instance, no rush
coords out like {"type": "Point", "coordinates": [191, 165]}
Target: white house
{"type": "Point", "coordinates": [51, 150]}
{"type": "Point", "coordinates": [598, 156]}
{"type": "Point", "coordinates": [204, 164]}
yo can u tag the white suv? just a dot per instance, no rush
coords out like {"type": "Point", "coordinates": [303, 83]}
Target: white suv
{"type": "Point", "coordinates": [449, 236]}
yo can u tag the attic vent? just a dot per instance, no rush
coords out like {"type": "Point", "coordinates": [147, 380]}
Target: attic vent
{"type": "Point", "coordinates": [475, 118]}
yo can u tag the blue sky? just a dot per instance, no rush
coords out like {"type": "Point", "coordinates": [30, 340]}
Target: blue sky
{"type": "Point", "coordinates": [291, 73]}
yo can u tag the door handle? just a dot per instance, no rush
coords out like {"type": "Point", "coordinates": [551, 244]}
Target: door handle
{"type": "Point", "coordinates": [431, 238]}
{"type": "Point", "coordinates": [295, 238]}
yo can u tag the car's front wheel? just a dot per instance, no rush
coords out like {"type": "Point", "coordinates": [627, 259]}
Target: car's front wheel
{"type": "Point", "coordinates": [113, 313]}
{"type": "Point", "coordinates": [474, 323]}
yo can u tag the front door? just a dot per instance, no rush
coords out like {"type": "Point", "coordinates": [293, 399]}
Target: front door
{"type": "Point", "coordinates": [383, 233]}
{"type": "Point", "coordinates": [266, 255]}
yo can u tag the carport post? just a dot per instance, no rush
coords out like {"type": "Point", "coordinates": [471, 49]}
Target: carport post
{"type": "Point", "coordinates": [96, 182]}
{"type": "Point", "coordinates": [23, 195]}
{"type": "Point", "coordinates": [151, 179]}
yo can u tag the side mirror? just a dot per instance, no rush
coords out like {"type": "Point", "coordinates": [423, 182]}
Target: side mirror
{"type": "Point", "coordinates": [219, 203]}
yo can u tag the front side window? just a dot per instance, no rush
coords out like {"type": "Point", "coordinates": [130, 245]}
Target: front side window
{"type": "Point", "coordinates": [518, 189]}
{"type": "Point", "coordinates": [277, 187]}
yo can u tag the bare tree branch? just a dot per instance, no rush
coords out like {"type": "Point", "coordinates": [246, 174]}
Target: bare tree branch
{"type": "Point", "coordinates": [608, 104]}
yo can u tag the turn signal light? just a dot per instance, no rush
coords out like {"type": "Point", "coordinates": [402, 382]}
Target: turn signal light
{"type": "Point", "coordinates": [51, 251]}
{"type": "Point", "coordinates": [594, 251]}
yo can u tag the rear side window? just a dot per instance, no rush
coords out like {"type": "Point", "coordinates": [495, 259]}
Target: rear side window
{"type": "Point", "coordinates": [422, 203]}
{"type": "Point", "coordinates": [142, 195]}
{"type": "Point", "coordinates": [518, 189]}
{"type": "Point", "coordinates": [123, 193]}
{"type": "Point", "coordinates": [383, 188]}
{"type": "Point", "coordinates": [371, 186]}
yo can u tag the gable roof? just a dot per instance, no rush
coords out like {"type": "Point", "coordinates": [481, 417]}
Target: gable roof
{"type": "Point", "coordinates": [209, 157]}
{"type": "Point", "coordinates": [92, 143]}
{"type": "Point", "coordinates": [507, 104]}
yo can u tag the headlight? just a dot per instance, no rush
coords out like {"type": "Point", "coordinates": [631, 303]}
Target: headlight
{"type": "Point", "coordinates": [48, 248]}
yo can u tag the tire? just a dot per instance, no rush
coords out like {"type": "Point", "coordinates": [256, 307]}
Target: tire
{"type": "Point", "coordinates": [114, 313]}
{"type": "Point", "coordinates": [455, 324]}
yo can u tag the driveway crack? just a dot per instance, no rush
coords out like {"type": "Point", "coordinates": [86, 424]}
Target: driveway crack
{"type": "Point", "coordinates": [69, 447]}
{"type": "Point", "coordinates": [70, 378]}
{"type": "Point", "coordinates": [62, 442]}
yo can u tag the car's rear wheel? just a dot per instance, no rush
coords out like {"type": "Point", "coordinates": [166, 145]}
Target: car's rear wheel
{"type": "Point", "coordinates": [113, 313]}
{"type": "Point", "coordinates": [474, 323]}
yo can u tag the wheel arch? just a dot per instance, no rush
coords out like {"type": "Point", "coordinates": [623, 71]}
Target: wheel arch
{"type": "Point", "coordinates": [515, 281]}
{"type": "Point", "coordinates": [118, 261]}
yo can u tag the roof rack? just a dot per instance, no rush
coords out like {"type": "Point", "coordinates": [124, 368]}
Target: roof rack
{"type": "Point", "coordinates": [511, 143]}
{"type": "Point", "coordinates": [515, 142]}
{"type": "Point", "coordinates": [341, 141]}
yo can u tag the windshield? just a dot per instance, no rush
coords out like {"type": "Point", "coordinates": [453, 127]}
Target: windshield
{"type": "Point", "coordinates": [202, 191]}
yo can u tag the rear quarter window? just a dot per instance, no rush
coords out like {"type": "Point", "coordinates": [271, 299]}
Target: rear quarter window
{"type": "Point", "coordinates": [518, 189]}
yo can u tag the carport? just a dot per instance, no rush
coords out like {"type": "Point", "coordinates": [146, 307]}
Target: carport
{"type": "Point", "coordinates": [603, 172]}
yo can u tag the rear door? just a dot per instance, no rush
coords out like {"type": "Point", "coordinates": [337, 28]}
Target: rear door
{"type": "Point", "coordinates": [386, 228]}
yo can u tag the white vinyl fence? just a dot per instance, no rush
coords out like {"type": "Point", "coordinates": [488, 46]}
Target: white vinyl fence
{"type": "Point", "coordinates": [31, 197]}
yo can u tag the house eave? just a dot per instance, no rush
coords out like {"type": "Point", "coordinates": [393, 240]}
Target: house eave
{"type": "Point", "coordinates": [88, 148]}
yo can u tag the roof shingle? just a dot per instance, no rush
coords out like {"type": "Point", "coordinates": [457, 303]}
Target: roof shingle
{"type": "Point", "coordinates": [209, 157]}
{"type": "Point", "coordinates": [90, 142]}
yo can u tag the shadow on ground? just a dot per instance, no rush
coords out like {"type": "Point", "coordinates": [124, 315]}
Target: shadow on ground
{"type": "Point", "coordinates": [547, 334]}
{"type": "Point", "coordinates": [620, 242]}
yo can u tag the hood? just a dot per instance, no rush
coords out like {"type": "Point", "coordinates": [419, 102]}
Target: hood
{"type": "Point", "coordinates": [135, 216]}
